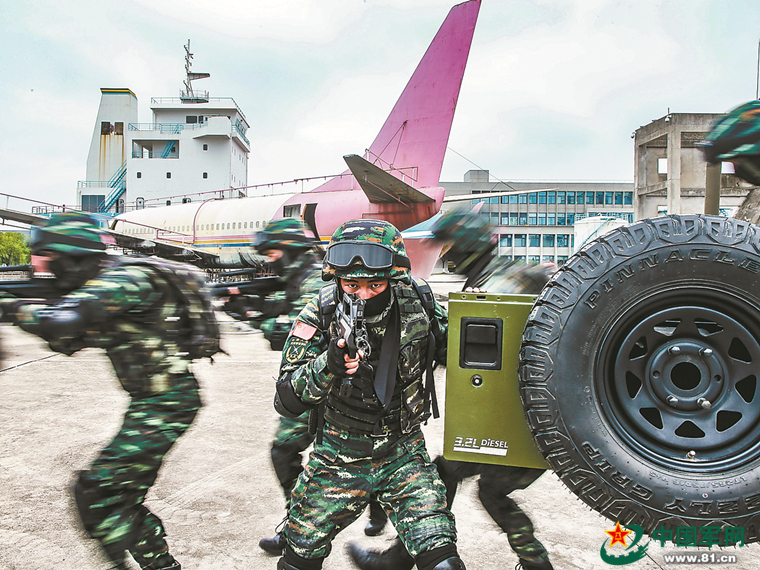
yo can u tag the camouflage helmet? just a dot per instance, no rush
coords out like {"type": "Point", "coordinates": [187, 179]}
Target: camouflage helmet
{"type": "Point", "coordinates": [366, 249]}
{"type": "Point", "coordinates": [70, 233]}
{"type": "Point", "coordinates": [283, 233]}
{"type": "Point", "coordinates": [736, 138]}
{"type": "Point", "coordinates": [469, 233]}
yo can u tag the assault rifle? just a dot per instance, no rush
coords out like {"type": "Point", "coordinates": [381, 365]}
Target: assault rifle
{"type": "Point", "coordinates": [350, 325]}
{"type": "Point", "coordinates": [32, 288]}
{"type": "Point", "coordinates": [245, 296]}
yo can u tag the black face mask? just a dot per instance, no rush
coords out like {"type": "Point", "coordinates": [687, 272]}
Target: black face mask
{"type": "Point", "coordinates": [73, 272]}
{"type": "Point", "coordinates": [375, 305]}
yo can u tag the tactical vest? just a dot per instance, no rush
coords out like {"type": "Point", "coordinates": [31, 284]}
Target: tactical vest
{"type": "Point", "coordinates": [362, 412]}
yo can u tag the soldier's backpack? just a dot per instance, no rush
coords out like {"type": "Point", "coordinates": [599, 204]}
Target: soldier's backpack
{"type": "Point", "coordinates": [198, 324]}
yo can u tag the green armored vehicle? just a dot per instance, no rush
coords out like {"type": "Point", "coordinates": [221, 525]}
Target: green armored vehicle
{"type": "Point", "coordinates": [633, 375]}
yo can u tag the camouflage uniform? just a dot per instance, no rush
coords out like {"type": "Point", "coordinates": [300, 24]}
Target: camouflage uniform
{"type": "Point", "coordinates": [131, 311]}
{"type": "Point", "coordinates": [470, 236]}
{"type": "Point", "coordinates": [366, 449]}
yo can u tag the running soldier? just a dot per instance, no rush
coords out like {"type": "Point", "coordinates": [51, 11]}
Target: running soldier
{"type": "Point", "coordinates": [468, 239]}
{"type": "Point", "coordinates": [291, 255]}
{"type": "Point", "coordinates": [367, 406]}
{"type": "Point", "coordinates": [152, 318]}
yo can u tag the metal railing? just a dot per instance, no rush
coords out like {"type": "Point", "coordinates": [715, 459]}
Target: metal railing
{"type": "Point", "coordinates": [153, 154]}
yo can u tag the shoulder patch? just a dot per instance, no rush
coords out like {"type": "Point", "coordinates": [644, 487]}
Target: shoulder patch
{"type": "Point", "coordinates": [304, 331]}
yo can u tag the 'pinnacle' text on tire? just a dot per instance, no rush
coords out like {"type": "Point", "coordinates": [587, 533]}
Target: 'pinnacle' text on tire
{"type": "Point", "coordinates": [638, 373]}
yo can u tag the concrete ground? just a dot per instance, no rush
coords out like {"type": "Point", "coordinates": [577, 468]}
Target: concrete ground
{"type": "Point", "coordinates": [217, 493]}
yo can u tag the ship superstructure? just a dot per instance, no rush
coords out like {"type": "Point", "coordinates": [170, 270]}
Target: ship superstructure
{"type": "Point", "coordinates": [194, 148]}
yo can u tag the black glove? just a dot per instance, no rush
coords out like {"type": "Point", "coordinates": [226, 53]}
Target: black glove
{"type": "Point", "coordinates": [336, 362]}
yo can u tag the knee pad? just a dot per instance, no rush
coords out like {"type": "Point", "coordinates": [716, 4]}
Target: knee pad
{"type": "Point", "coordinates": [86, 494]}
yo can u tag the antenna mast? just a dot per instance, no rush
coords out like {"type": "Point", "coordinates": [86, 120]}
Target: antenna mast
{"type": "Point", "coordinates": [188, 95]}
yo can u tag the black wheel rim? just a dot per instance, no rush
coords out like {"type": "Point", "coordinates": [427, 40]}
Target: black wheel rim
{"type": "Point", "coordinates": [677, 379]}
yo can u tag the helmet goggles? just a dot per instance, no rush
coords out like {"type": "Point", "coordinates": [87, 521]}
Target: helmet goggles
{"type": "Point", "coordinates": [373, 256]}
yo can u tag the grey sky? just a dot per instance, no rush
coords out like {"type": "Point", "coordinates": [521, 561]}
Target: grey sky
{"type": "Point", "coordinates": [553, 88]}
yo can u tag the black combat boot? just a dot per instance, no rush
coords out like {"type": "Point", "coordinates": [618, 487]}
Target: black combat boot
{"type": "Point", "coordinates": [395, 558]}
{"type": "Point", "coordinates": [453, 563]}
{"type": "Point", "coordinates": [526, 565]}
{"type": "Point", "coordinates": [274, 545]}
{"type": "Point", "coordinates": [377, 519]}
{"type": "Point", "coordinates": [172, 566]}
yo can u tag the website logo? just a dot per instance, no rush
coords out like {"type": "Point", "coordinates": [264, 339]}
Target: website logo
{"type": "Point", "coordinates": [616, 550]}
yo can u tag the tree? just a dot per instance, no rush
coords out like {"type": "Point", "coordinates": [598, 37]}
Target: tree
{"type": "Point", "coordinates": [13, 249]}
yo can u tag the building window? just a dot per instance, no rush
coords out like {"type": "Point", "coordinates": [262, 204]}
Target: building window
{"type": "Point", "coordinates": [628, 198]}
{"type": "Point", "coordinates": [534, 259]}
{"type": "Point", "coordinates": [550, 220]}
{"type": "Point", "coordinates": [548, 240]}
{"type": "Point", "coordinates": [534, 240]}
{"type": "Point", "coordinates": [563, 240]}
{"type": "Point", "coordinates": [590, 198]}
{"type": "Point", "coordinates": [513, 219]}
{"type": "Point", "coordinates": [570, 219]}
{"type": "Point", "coordinates": [523, 198]}
{"type": "Point", "coordinates": [494, 218]}
{"type": "Point", "coordinates": [139, 174]}
{"type": "Point", "coordinates": [191, 119]}
{"type": "Point", "coordinates": [560, 219]}
{"type": "Point", "coordinates": [106, 128]}
{"type": "Point", "coordinates": [504, 219]}
{"type": "Point", "coordinates": [93, 202]}
{"type": "Point", "coordinates": [118, 129]}
{"type": "Point", "coordinates": [580, 196]}
{"type": "Point", "coordinates": [168, 174]}
{"type": "Point", "coordinates": [542, 219]}
{"type": "Point", "coordinates": [523, 218]}
{"type": "Point", "coordinates": [571, 197]}
{"type": "Point", "coordinates": [548, 259]}
{"type": "Point", "coordinates": [205, 175]}
{"type": "Point", "coordinates": [140, 203]}
{"type": "Point", "coordinates": [520, 240]}
{"type": "Point", "coordinates": [618, 198]}
{"type": "Point", "coordinates": [205, 147]}
{"type": "Point", "coordinates": [561, 259]}
{"type": "Point", "coordinates": [531, 219]}
{"type": "Point", "coordinates": [506, 240]}
{"type": "Point", "coordinates": [533, 198]}
{"type": "Point", "coordinates": [608, 198]}
{"type": "Point", "coordinates": [560, 197]}
{"type": "Point", "coordinates": [662, 166]}
{"type": "Point", "coordinates": [551, 198]}
{"type": "Point", "coordinates": [600, 198]}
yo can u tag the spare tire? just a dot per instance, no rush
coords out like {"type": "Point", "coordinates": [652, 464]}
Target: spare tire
{"type": "Point", "coordinates": [639, 373]}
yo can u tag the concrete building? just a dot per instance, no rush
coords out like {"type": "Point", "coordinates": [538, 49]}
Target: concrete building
{"type": "Point", "coordinates": [194, 148]}
{"type": "Point", "coordinates": [669, 169]}
{"type": "Point", "coordinates": [536, 222]}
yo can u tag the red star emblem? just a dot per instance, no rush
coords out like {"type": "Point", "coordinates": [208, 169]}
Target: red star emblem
{"type": "Point", "coordinates": [618, 535]}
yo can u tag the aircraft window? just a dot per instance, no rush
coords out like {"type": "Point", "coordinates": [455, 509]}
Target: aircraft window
{"type": "Point", "coordinates": [257, 224]}
{"type": "Point", "coordinates": [245, 225]}
{"type": "Point", "coordinates": [205, 175]}
{"type": "Point", "coordinates": [217, 226]}
{"type": "Point", "coordinates": [168, 174]}
{"type": "Point", "coordinates": [228, 225]}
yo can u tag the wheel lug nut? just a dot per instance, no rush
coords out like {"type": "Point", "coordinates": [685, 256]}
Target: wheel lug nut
{"type": "Point", "coordinates": [704, 403]}
{"type": "Point", "coordinates": [691, 454]}
{"type": "Point", "coordinates": [674, 350]}
{"type": "Point", "coordinates": [672, 401]}
{"type": "Point", "coordinates": [706, 352]}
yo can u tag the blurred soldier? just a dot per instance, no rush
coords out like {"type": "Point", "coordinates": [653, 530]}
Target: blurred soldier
{"type": "Point", "coordinates": [152, 317]}
{"type": "Point", "coordinates": [368, 405]}
{"type": "Point", "coordinates": [468, 239]}
{"type": "Point", "coordinates": [735, 138]}
{"type": "Point", "coordinates": [291, 255]}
